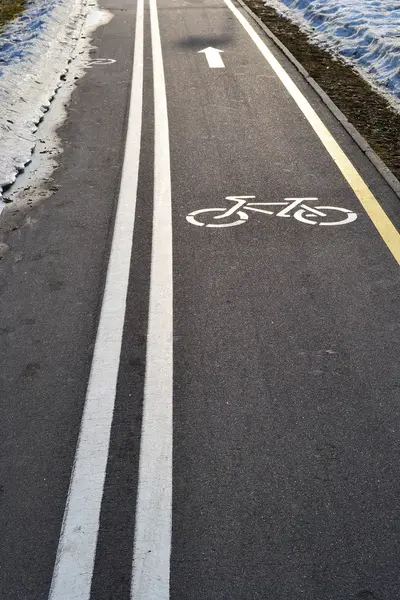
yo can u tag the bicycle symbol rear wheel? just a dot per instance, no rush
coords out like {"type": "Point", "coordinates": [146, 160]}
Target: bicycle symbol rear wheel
{"type": "Point", "coordinates": [237, 218]}
{"type": "Point", "coordinates": [311, 218]}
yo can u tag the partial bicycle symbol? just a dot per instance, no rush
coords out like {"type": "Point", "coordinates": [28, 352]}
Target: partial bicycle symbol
{"type": "Point", "coordinates": [99, 62]}
{"type": "Point", "coordinates": [299, 208]}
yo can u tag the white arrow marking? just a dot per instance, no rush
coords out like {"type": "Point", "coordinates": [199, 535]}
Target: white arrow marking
{"type": "Point", "coordinates": [213, 57]}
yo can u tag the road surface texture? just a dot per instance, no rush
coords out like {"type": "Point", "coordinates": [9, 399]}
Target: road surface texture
{"type": "Point", "coordinates": [197, 403]}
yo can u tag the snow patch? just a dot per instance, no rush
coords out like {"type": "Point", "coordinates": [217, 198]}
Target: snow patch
{"type": "Point", "coordinates": [366, 33]}
{"type": "Point", "coordinates": [35, 51]}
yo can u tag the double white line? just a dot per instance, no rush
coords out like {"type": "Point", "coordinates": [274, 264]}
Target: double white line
{"type": "Point", "coordinates": [73, 570]}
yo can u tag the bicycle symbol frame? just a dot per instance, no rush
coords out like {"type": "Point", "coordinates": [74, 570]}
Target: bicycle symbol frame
{"type": "Point", "coordinates": [296, 207]}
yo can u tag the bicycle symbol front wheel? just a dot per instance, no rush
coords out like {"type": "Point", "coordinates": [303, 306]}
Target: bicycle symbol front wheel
{"type": "Point", "coordinates": [199, 218]}
{"type": "Point", "coordinates": [324, 218]}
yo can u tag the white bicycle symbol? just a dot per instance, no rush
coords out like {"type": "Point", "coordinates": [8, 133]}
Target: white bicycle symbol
{"type": "Point", "coordinates": [296, 207]}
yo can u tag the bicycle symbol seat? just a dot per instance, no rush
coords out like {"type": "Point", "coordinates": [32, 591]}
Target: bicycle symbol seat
{"type": "Point", "coordinates": [297, 207]}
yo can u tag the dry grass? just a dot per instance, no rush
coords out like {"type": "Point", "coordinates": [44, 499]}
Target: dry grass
{"type": "Point", "coordinates": [10, 9]}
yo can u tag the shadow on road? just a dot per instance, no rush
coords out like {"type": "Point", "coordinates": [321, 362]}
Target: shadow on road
{"type": "Point", "coordinates": [200, 42]}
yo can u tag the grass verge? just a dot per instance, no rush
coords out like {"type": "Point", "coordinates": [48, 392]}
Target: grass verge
{"type": "Point", "coordinates": [367, 110]}
{"type": "Point", "coordinates": [9, 9]}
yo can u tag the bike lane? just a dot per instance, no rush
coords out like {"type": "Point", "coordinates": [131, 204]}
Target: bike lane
{"type": "Point", "coordinates": [285, 340]}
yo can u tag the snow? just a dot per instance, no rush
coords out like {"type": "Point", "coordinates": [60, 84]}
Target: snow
{"type": "Point", "coordinates": [366, 33]}
{"type": "Point", "coordinates": [34, 53]}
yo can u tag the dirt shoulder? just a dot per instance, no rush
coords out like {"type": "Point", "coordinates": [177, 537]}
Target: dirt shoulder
{"type": "Point", "coordinates": [9, 9]}
{"type": "Point", "coordinates": [369, 112]}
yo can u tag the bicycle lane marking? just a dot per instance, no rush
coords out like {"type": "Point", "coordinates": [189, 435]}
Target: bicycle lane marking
{"type": "Point", "coordinates": [153, 521]}
{"type": "Point", "coordinates": [74, 564]}
{"type": "Point", "coordinates": [302, 211]}
{"type": "Point", "coordinates": [383, 224]}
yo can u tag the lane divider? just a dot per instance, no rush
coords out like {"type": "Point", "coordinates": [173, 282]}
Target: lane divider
{"type": "Point", "coordinates": [383, 224]}
{"type": "Point", "coordinates": [152, 542]}
{"type": "Point", "coordinates": [74, 565]}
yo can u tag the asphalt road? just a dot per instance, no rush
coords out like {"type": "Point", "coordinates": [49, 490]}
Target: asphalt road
{"type": "Point", "coordinates": [234, 375]}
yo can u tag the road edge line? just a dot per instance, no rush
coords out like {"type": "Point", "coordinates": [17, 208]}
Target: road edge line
{"type": "Point", "coordinates": [361, 142]}
{"type": "Point", "coordinates": [73, 570]}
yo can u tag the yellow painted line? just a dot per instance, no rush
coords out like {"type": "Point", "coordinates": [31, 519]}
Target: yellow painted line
{"type": "Point", "coordinates": [387, 230]}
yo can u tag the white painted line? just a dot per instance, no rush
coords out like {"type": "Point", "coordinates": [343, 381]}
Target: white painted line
{"type": "Point", "coordinates": [383, 224]}
{"type": "Point", "coordinates": [152, 544]}
{"type": "Point", "coordinates": [213, 57]}
{"type": "Point", "coordinates": [77, 545]}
